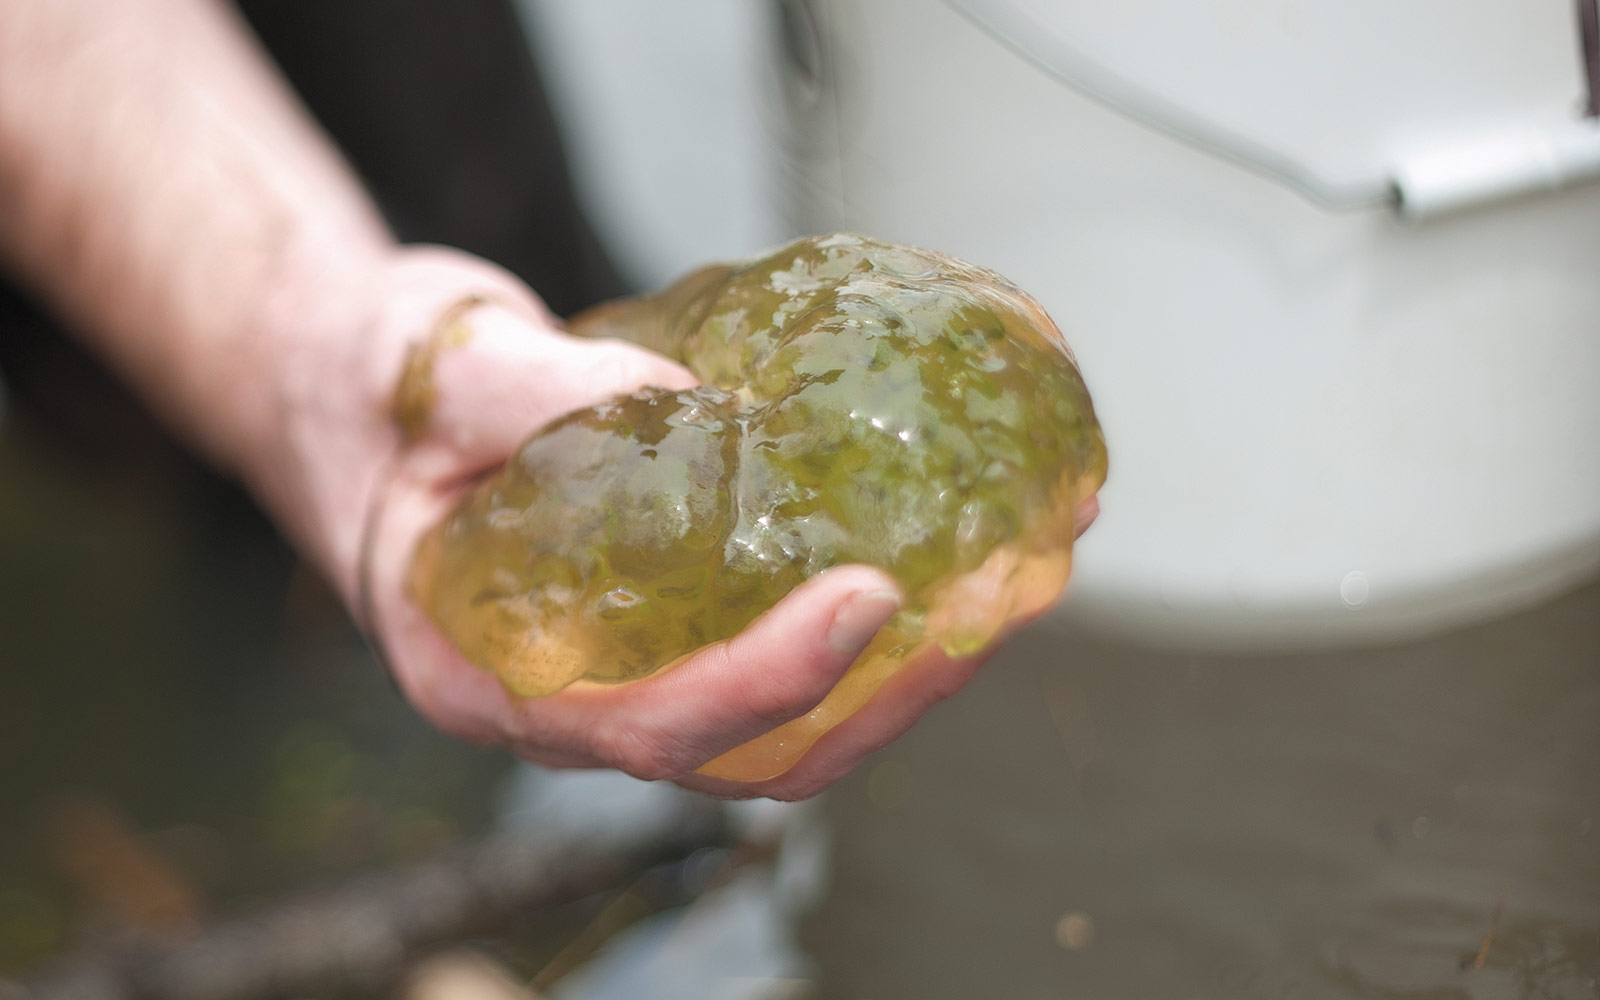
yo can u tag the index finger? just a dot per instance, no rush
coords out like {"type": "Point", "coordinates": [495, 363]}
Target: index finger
{"type": "Point", "coordinates": [725, 694]}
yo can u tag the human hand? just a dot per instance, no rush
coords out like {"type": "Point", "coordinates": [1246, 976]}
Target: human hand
{"type": "Point", "coordinates": [165, 193]}
{"type": "Point", "coordinates": [514, 372]}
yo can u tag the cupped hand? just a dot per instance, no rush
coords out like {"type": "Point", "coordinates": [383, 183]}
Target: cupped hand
{"type": "Point", "coordinates": [360, 498]}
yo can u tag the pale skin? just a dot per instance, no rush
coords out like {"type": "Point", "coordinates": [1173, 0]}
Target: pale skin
{"type": "Point", "coordinates": [163, 192]}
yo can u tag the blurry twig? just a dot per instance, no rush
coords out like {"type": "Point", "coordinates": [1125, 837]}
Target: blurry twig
{"type": "Point", "coordinates": [1069, 711]}
{"type": "Point", "coordinates": [712, 868]}
{"type": "Point", "coordinates": [626, 908]}
{"type": "Point", "coordinates": [1476, 961]}
{"type": "Point", "coordinates": [359, 936]}
{"type": "Point", "coordinates": [96, 848]}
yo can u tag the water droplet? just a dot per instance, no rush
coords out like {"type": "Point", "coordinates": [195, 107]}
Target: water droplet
{"type": "Point", "coordinates": [1075, 931]}
{"type": "Point", "coordinates": [617, 602]}
{"type": "Point", "coordinates": [1354, 588]}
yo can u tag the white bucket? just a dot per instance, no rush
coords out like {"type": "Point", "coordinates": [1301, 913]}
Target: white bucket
{"type": "Point", "coordinates": [1325, 426]}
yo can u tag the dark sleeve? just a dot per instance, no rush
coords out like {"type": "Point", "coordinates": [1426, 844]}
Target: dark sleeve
{"type": "Point", "coordinates": [438, 106]}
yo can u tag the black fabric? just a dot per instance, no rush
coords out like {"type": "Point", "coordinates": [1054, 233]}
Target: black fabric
{"type": "Point", "coordinates": [437, 105]}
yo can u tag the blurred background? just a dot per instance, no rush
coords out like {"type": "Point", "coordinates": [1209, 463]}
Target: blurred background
{"type": "Point", "coordinates": [1319, 717]}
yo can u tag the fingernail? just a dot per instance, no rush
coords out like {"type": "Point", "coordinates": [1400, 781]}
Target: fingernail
{"type": "Point", "coordinates": [858, 620]}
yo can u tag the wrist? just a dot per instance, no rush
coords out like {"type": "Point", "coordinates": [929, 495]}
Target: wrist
{"type": "Point", "coordinates": [314, 380]}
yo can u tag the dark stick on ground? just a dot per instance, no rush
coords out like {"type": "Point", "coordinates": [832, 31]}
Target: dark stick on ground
{"type": "Point", "coordinates": [357, 938]}
{"type": "Point", "coordinates": [1476, 959]}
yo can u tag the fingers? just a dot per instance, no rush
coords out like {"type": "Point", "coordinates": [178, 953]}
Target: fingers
{"type": "Point", "coordinates": [778, 668]}
{"type": "Point", "coordinates": [1086, 513]}
{"type": "Point", "coordinates": [510, 378]}
{"type": "Point", "coordinates": [451, 693]}
{"type": "Point", "coordinates": [425, 280]}
{"type": "Point", "coordinates": [497, 365]}
{"type": "Point", "coordinates": [667, 726]}
{"type": "Point", "coordinates": [928, 678]}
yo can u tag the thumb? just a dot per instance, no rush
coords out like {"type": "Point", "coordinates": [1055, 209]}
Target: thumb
{"type": "Point", "coordinates": [509, 377]}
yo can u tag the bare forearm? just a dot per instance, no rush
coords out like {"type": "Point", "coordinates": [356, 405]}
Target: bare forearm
{"type": "Point", "coordinates": [162, 190]}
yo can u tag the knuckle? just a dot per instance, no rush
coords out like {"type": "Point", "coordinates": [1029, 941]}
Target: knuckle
{"type": "Point", "coordinates": [637, 751]}
{"type": "Point", "coordinates": [776, 700]}
{"type": "Point", "coordinates": [778, 692]}
{"type": "Point", "coordinates": [462, 727]}
{"type": "Point", "coordinates": [798, 791]}
{"type": "Point", "coordinates": [618, 369]}
{"type": "Point", "coordinates": [629, 367]}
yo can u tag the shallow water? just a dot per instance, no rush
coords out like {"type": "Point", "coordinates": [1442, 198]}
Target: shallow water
{"type": "Point", "coordinates": [1093, 820]}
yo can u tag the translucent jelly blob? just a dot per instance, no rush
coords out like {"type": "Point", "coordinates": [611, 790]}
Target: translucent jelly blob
{"type": "Point", "coordinates": [862, 403]}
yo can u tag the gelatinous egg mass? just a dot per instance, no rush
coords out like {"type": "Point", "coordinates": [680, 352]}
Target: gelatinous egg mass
{"type": "Point", "coordinates": [862, 403]}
